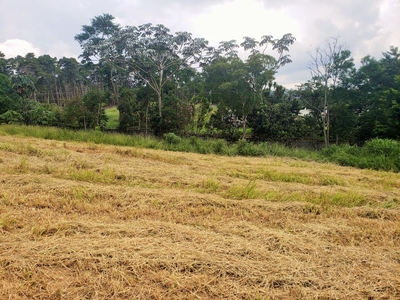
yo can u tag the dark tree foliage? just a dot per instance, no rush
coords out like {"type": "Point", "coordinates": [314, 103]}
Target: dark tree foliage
{"type": "Point", "coordinates": [276, 122]}
{"type": "Point", "coordinates": [74, 114]}
{"type": "Point", "coordinates": [8, 96]}
{"type": "Point", "coordinates": [94, 102]}
{"type": "Point", "coordinates": [128, 110]}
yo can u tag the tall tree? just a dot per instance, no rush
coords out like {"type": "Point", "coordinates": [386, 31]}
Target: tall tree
{"type": "Point", "coordinates": [155, 55]}
{"type": "Point", "coordinates": [92, 36]}
{"type": "Point", "coordinates": [240, 85]}
{"type": "Point", "coordinates": [328, 66]}
{"type": "Point", "coordinates": [3, 64]}
{"type": "Point", "coordinates": [376, 91]}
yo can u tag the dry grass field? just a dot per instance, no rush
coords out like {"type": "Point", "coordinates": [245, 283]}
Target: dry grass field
{"type": "Point", "coordinates": [86, 221]}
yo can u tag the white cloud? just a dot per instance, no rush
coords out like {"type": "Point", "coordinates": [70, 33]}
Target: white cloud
{"type": "Point", "coordinates": [61, 49]}
{"type": "Point", "coordinates": [241, 18]}
{"type": "Point", "coordinates": [14, 47]}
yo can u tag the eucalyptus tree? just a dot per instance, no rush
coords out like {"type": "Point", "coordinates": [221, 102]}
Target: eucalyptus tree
{"type": "Point", "coordinates": [70, 81]}
{"type": "Point", "coordinates": [47, 78]}
{"type": "Point", "coordinates": [154, 55]}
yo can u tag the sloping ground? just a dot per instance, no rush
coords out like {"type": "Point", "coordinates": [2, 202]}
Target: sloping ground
{"type": "Point", "coordinates": [83, 221]}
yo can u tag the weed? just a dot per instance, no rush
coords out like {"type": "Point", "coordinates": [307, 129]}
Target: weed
{"type": "Point", "coordinates": [6, 222]}
{"type": "Point", "coordinates": [247, 192]}
{"type": "Point", "coordinates": [23, 166]}
{"type": "Point", "coordinates": [394, 203]}
{"type": "Point", "coordinates": [32, 151]}
{"type": "Point", "coordinates": [209, 185]}
{"type": "Point", "coordinates": [7, 147]}
{"type": "Point", "coordinates": [351, 199]}
{"type": "Point", "coordinates": [47, 169]}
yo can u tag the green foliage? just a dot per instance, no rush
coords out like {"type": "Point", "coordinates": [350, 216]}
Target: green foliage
{"type": "Point", "coordinates": [74, 114]}
{"type": "Point", "coordinates": [172, 138]}
{"type": "Point", "coordinates": [36, 113]}
{"type": "Point", "coordinates": [245, 148]}
{"type": "Point", "coordinates": [376, 154]}
{"type": "Point", "coordinates": [94, 102]}
{"type": "Point", "coordinates": [277, 122]}
{"type": "Point", "coordinates": [175, 116]}
{"type": "Point", "coordinates": [24, 85]}
{"type": "Point", "coordinates": [11, 117]}
{"type": "Point", "coordinates": [380, 147]}
{"type": "Point", "coordinates": [85, 113]}
{"type": "Point", "coordinates": [127, 108]}
{"type": "Point", "coordinates": [8, 96]}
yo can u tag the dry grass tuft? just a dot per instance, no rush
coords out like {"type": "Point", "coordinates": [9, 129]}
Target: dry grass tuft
{"type": "Point", "coordinates": [84, 221]}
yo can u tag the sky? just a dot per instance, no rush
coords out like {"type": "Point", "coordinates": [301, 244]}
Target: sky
{"type": "Point", "coordinates": [365, 27]}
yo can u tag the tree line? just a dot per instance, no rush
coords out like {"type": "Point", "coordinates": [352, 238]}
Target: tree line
{"type": "Point", "coordinates": [163, 82]}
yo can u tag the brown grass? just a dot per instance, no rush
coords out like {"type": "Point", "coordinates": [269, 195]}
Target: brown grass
{"type": "Point", "coordinates": [83, 221]}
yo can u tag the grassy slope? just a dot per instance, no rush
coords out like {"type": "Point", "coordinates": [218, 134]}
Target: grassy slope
{"type": "Point", "coordinates": [80, 220]}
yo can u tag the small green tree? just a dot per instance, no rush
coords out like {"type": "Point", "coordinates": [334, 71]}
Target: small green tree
{"type": "Point", "coordinates": [74, 114]}
{"type": "Point", "coordinates": [94, 102]}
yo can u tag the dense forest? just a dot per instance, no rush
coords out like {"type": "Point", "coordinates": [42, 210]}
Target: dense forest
{"type": "Point", "coordinates": [174, 83]}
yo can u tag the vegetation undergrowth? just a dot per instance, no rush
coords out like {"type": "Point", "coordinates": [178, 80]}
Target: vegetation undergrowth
{"type": "Point", "coordinates": [376, 154]}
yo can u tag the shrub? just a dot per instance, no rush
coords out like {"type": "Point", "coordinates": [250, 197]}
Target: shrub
{"type": "Point", "coordinates": [172, 139]}
{"type": "Point", "coordinates": [11, 117]}
{"type": "Point", "coordinates": [387, 148]}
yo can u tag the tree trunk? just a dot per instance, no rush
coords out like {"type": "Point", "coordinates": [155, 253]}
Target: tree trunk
{"type": "Point", "coordinates": [159, 93]}
{"type": "Point", "coordinates": [326, 116]}
{"type": "Point", "coordinates": [159, 104]}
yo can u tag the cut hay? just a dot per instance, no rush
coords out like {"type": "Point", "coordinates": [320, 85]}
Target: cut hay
{"type": "Point", "coordinates": [81, 221]}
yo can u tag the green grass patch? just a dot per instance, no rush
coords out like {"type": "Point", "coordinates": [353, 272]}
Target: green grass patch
{"type": "Point", "coordinates": [376, 154]}
{"type": "Point", "coordinates": [248, 191]}
{"type": "Point", "coordinates": [113, 117]}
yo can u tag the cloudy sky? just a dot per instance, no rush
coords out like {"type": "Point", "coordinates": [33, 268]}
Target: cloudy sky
{"type": "Point", "coordinates": [364, 26]}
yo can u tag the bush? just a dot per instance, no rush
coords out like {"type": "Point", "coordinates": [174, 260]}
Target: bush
{"type": "Point", "coordinates": [387, 148]}
{"type": "Point", "coordinates": [377, 154]}
{"type": "Point", "coordinates": [172, 139]}
{"type": "Point", "coordinates": [11, 117]}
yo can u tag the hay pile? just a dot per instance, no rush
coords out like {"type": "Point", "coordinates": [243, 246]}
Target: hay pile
{"type": "Point", "coordinates": [82, 221]}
